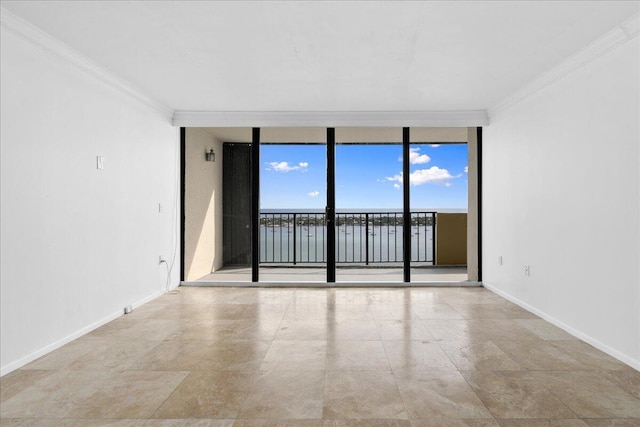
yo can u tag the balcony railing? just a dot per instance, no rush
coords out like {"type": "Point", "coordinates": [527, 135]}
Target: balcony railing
{"type": "Point", "coordinates": [361, 237]}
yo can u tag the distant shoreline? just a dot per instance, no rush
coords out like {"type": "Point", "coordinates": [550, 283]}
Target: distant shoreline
{"type": "Point", "coordinates": [379, 210]}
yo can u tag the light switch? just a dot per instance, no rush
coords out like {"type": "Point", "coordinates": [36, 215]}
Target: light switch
{"type": "Point", "coordinates": [100, 162]}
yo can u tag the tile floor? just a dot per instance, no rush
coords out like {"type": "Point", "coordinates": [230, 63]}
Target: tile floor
{"type": "Point", "coordinates": [324, 357]}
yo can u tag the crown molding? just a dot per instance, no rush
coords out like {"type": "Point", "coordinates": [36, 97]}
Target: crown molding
{"type": "Point", "coordinates": [623, 33]}
{"type": "Point", "coordinates": [52, 46]}
{"type": "Point", "coordinates": [330, 118]}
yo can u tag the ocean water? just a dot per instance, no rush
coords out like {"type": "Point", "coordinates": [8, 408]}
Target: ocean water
{"type": "Point", "coordinates": [355, 243]}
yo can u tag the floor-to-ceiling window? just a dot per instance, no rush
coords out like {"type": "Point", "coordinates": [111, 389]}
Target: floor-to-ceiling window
{"type": "Point", "coordinates": [293, 181]}
{"type": "Point", "coordinates": [369, 227]}
{"type": "Point", "coordinates": [295, 171]}
{"type": "Point", "coordinates": [438, 167]}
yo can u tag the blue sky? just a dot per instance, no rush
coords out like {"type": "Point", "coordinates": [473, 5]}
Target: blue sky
{"type": "Point", "coordinates": [367, 176]}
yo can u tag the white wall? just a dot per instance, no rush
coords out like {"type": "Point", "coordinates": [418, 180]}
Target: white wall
{"type": "Point", "coordinates": [561, 194]}
{"type": "Point", "coordinates": [78, 244]}
{"type": "Point", "coordinates": [203, 205]}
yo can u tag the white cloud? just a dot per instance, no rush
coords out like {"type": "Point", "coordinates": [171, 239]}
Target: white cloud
{"type": "Point", "coordinates": [286, 167]}
{"type": "Point", "coordinates": [435, 145]}
{"type": "Point", "coordinates": [415, 158]}
{"type": "Point", "coordinates": [433, 175]}
{"type": "Point", "coordinates": [466, 169]}
{"type": "Point", "coordinates": [396, 186]}
{"type": "Point", "coordinates": [313, 194]}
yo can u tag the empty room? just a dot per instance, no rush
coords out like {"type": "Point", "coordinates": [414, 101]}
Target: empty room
{"type": "Point", "coordinates": [320, 213]}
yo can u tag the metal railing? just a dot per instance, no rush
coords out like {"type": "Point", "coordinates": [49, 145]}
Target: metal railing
{"type": "Point", "coordinates": [361, 237]}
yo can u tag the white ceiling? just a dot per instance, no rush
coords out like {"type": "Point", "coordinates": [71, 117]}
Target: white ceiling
{"type": "Point", "coordinates": [326, 56]}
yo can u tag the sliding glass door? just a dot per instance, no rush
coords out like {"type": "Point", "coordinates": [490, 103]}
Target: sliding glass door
{"type": "Point", "coordinates": [369, 226]}
{"type": "Point", "coordinates": [438, 165]}
{"type": "Point", "coordinates": [293, 232]}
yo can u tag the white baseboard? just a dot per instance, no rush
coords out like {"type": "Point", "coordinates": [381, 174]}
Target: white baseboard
{"type": "Point", "coordinates": [576, 333]}
{"type": "Point", "coordinates": [57, 344]}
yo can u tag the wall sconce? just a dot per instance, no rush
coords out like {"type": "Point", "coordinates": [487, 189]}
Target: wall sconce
{"type": "Point", "coordinates": [210, 156]}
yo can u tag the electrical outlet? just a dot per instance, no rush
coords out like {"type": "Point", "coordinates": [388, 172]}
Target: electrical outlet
{"type": "Point", "coordinates": [527, 270]}
{"type": "Point", "coordinates": [500, 260]}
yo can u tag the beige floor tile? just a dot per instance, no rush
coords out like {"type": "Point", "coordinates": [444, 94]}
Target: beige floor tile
{"type": "Point", "coordinates": [111, 330]}
{"type": "Point", "coordinates": [189, 423]}
{"type": "Point", "coordinates": [234, 311]}
{"type": "Point", "coordinates": [435, 311]}
{"type": "Point", "coordinates": [544, 423]}
{"type": "Point", "coordinates": [295, 355]}
{"type": "Point", "coordinates": [393, 311]}
{"type": "Point", "coordinates": [362, 394]}
{"type": "Point", "coordinates": [55, 395]}
{"type": "Point", "coordinates": [285, 395]}
{"type": "Point", "coordinates": [539, 355]}
{"type": "Point", "coordinates": [64, 356]}
{"type": "Point", "coordinates": [352, 296]}
{"type": "Point", "coordinates": [281, 296]}
{"type": "Point", "coordinates": [237, 296]}
{"type": "Point", "coordinates": [206, 329]}
{"type": "Point", "coordinates": [129, 394]}
{"type": "Point", "coordinates": [544, 329]}
{"type": "Point", "coordinates": [221, 329]}
{"type": "Point", "coordinates": [500, 329]}
{"type": "Point", "coordinates": [244, 355]}
{"type": "Point", "coordinates": [614, 422]}
{"type": "Point", "coordinates": [628, 379]}
{"type": "Point", "coordinates": [452, 330]}
{"type": "Point", "coordinates": [399, 329]}
{"type": "Point", "coordinates": [278, 423]}
{"type": "Point", "coordinates": [589, 394]}
{"type": "Point", "coordinates": [500, 310]}
{"type": "Point", "coordinates": [308, 307]}
{"type": "Point", "coordinates": [256, 329]}
{"type": "Point", "coordinates": [353, 329]}
{"type": "Point", "coordinates": [208, 394]}
{"type": "Point", "coordinates": [366, 423]}
{"type": "Point", "coordinates": [80, 422]}
{"type": "Point", "coordinates": [345, 311]}
{"type": "Point", "coordinates": [356, 355]}
{"type": "Point", "coordinates": [18, 380]}
{"type": "Point", "coordinates": [150, 330]}
{"type": "Point", "coordinates": [469, 295]}
{"type": "Point", "coordinates": [440, 394]}
{"type": "Point", "coordinates": [113, 354]}
{"type": "Point", "coordinates": [515, 394]}
{"type": "Point", "coordinates": [478, 356]}
{"type": "Point", "coordinates": [589, 356]}
{"type": "Point", "coordinates": [311, 330]}
{"type": "Point", "coordinates": [308, 310]}
{"type": "Point", "coordinates": [415, 356]}
{"type": "Point", "coordinates": [172, 356]}
{"type": "Point", "coordinates": [186, 311]}
{"type": "Point", "coordinates": [454, 422]}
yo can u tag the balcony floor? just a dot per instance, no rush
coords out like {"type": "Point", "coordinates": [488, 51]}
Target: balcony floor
{"type": "Point", "coordinates": [346, 274]}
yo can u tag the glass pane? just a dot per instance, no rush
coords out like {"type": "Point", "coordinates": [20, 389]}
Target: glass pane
{"type": "Point", "coordinates": [438, 177]}
{"type": "Point", "coordinates": [368, 205]}
{"type": "Point", "coordinates": [292, 204]}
